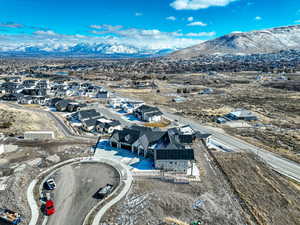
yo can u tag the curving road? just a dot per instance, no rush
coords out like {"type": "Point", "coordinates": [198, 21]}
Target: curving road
{"type": "Point", "coordinates": [76, 185]}
{"type": "Point", "coordinates": [278, 163]}
{"type": "Point", "coordinates": [59, 122]}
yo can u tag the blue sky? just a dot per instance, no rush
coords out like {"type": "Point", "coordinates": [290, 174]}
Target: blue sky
{"type": "Point", "coordinates": [153, 23]}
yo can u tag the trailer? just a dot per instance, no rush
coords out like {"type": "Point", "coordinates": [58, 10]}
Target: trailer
{"type": "Point", "coordinates": [9, 216]}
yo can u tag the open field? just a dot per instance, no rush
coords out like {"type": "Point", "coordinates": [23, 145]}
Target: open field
{"type": "Point", "coordinates": [270, 197]}
{"type": "Point", "coordinates": [17, 121]}
{"type": "Point", "coordinates": [154, 200]}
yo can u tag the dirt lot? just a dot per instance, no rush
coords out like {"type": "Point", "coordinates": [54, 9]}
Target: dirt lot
{"type": "Point", "coordinates": [17, 121]}
{"type": "Point", "coordinates": [152, 200]}
{"type": "Point", "coordinates": [24, 161]}
{"type": "Point", "coordinates": [270, 197]}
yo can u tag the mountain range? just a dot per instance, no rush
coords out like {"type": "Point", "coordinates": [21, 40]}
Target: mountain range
{"type": "Point", "coordinates": [237, 43]}
{"type": "Point", "coordinates": [82, 50]}
{"type": "Point", "coordinates": [245, 43]}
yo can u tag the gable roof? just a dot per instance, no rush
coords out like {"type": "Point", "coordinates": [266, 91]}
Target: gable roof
{"type": "Point", "coordinates": [174, 154]}
{"type": "Point", "coordinates": [242, 113]}
{"type": "Point", "coordinates": [89, 113]}
{"type": "Point", "coordinates": [90, 123]}
{"type": "Point", "coordinates": [147, 108]}
{"type": "Point", "coordinates": [126, 135]}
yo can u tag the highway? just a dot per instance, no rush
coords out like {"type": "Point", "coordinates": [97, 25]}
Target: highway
{"type": "Point", "coordinates": [278, 163]}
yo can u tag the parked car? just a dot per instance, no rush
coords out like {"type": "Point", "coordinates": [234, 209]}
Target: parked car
{"type": "Point", "coordinates": [50, 184]}
{"type": "Point", "coordinates": [104, 191]}
{"type": "Point", "coordinates": [49, 208]}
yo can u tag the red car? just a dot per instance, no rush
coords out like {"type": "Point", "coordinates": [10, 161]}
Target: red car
{"type": "Point", "coordinates": [49, 208]}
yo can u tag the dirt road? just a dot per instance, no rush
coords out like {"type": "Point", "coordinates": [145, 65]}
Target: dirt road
{"type": "Point", "coordinates": [76, 185]}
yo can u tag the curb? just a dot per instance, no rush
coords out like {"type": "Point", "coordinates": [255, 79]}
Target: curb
{"type": "Point", "coordinates": [125, 176]}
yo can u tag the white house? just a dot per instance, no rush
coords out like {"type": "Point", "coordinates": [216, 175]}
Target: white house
{"type": "Point", "coordinates": [115, 102]}
{"type": "Point", "coordinates": [179, 160]}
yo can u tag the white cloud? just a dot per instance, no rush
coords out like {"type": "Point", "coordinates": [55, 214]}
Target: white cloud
{"type": "Point", "coordinates": [258, 18]}
{"type": "Point", "coordinates": [197, 23]}
{"type": "Point", "coordinates": [297, 21]}
{"type": "Point", "coordinates": [138, 14]}
{"type": "Point", "coordinates": [106, 27]}
{"type": "Point", "coordinates": [173, 18]}
{"type": "Point", "coordinates": [201, 34]}
{"type": "Point", "coordinates": [95, 26]}
{"type": "Point", "coordinates": [11, 25]}
{"type": "Point", "coordinates": [152, 39]}
{"type": "Point", "coordinates": [198, 4]}
{"type": "Point", "coordinates": [190, 19]}
{"type": "Point", "coordinates": [236, 32]}
{"type": "Point", "coordinates": [46, 33]}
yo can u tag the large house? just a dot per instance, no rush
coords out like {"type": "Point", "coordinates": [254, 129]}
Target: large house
{"type": "Point", "coordinates": [102, 94]}
{"type": "Point", "coordinates": [68, 106]}
{"type": "Point", "coordinates": [87, 115]}
{"type": "Point", "coordinates": [130, 106]}
{"type": "Point", "coordinates": [173, 159]}
{"type": "Point", "coordinates": [148, 113]}
{"type": "Point", "coordinates": [241, 114]}
{"type": "Point", "coordinates": [104, 125]}
{"type": "Point", "coordinates": [151, 143]}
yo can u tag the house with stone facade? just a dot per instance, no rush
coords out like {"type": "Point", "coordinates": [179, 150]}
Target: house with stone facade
{"type": "Point", "coordinates": [166, 148]}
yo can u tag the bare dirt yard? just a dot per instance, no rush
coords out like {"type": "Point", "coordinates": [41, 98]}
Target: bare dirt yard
{"type": "Point", "coordinates": [17, 121]}
{"type": "Point", "coordinates": [272, 199]}
{"type": "Point", "coordinates": [153, 201]}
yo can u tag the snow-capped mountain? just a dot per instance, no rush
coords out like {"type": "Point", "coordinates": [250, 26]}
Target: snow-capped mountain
{"type": "Point", "coordinates": [82, 49]}
{"type": "Point", "coordinates": [254, 42]}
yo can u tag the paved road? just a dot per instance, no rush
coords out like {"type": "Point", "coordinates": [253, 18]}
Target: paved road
{"type": "Point", "coordinates": [280, 164]}
{"type": "Point", "coordinates": [112, 115]}
{"type": "Point", "coordinates": [76, 185]}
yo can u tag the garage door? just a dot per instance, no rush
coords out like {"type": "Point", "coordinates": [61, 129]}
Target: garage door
{"type": "Point", "coordinates": [114, 145]}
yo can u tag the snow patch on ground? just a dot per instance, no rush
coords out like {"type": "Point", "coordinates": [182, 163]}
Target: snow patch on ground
{"type": "Point", "coordinates": [135, 162]}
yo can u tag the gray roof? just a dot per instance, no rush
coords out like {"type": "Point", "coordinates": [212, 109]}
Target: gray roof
{"type": "Point", "coordinates": [89, 113]}
{"type": "Point", "coordinates": [242, 113]}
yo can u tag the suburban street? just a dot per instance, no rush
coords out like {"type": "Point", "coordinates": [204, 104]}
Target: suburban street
{"type": "Point", "coordinates": [281, 165]}
{"type": "Point", "coordinates": [76, 185]}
